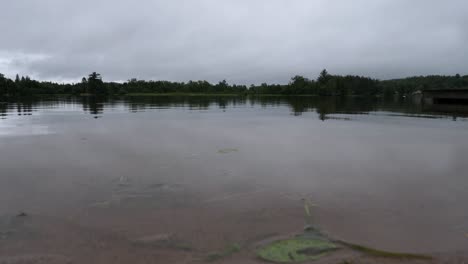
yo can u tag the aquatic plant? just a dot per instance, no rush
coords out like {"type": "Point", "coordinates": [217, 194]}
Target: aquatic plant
{"type": "Point", "coordinates": [313, 244]}
{"type": "Point", "coordinates": [383, 254]}
{"type": "Point", "coordinates": [227, 150]}
{"type": "Point", "coordinates": [228, 251]}
{"type": "Point", "coordinates": [296, 250]}
{"type": "Point", "coordinates": [308, 215]}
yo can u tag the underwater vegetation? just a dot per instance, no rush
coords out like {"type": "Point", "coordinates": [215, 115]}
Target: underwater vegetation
{"type": "Point", "coordinates": [313, 245]}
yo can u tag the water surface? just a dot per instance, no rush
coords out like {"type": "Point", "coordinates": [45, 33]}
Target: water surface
{"type": "Point", "coordinates": [211, 171]}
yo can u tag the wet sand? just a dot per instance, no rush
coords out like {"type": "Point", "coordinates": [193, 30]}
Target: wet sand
{"type": "Point", "coordinates": [146, 230]}
{"type": "Point", "coordinates": [148, 222]}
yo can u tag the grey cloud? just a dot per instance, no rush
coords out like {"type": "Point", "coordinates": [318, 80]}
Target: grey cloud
{"type": "Point", "coordinates": [243, 41]}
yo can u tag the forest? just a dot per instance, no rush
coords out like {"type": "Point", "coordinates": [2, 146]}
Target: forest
{"type": "Point", "coordinates": [325, 85]}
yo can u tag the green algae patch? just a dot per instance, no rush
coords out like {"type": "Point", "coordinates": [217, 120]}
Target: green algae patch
{"type": "Point", "coordinates": [296, 250]}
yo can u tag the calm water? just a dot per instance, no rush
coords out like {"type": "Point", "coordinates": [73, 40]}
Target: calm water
{"type": "Point", "coordinates": [213, 170]}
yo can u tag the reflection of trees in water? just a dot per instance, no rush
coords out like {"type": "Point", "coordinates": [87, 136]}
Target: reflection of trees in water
{"type": "Point", "coordinates": [141, 103]}
{"type": "Point", "coordinates": [323, 106]}
{"type": "Point", "coordinates": [11, 107]}
{"type": "Point", "coordinates": [3, 109]}
{"type": "Point", "coordinates": [93, 105]}
{"type": "Point", "coordinates": [24, 108]}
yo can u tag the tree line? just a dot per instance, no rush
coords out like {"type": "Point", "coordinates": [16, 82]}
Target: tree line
{"type": "Point", "coordinates": [325, 85]}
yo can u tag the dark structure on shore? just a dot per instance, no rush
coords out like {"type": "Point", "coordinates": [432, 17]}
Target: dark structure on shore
{"type": "Point", "coordinates": [453, 101]}
{"type": "Point", "coordinates": [446, 96]}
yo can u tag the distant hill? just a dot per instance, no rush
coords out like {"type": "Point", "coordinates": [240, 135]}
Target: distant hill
{"type": "Point", "coordinates": [412, 84]}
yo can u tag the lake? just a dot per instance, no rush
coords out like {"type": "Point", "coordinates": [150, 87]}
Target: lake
{"type": "Point", "coordinates": [100, 179]}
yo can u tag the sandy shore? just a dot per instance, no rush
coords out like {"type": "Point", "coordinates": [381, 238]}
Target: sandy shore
{"type": "Point", "coordinates": [171, 224]}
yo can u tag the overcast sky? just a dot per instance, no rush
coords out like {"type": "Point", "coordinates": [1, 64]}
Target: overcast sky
{"type": "Point", "coordinates": [242, 41]}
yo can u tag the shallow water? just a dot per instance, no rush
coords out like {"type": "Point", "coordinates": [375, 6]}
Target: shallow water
{"type": "Point", "coordinates": [210, 171]}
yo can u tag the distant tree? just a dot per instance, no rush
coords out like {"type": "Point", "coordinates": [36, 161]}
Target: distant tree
{"type": "Point", "coordinates": [324, 77]}
{"type": "Point", "coordinates": [222, 86]}
{"type": "Point", "coordinates": [298, 85]}
{"type": "Point", "coordinates": [94, 77]}
{"type": "Point", "coordinates": [83, 88]}
{"type": "Point", "coordinates": [324, 85]}
{"type": "Point", "coordinates": [95, 84]}
{"type": "Point", "coordinates": [3, 84]}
